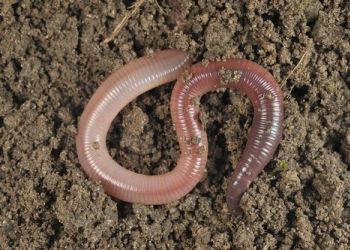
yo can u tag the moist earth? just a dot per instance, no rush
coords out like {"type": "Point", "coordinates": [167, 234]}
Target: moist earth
{"type": "Point", "coordinates": [52, 59]}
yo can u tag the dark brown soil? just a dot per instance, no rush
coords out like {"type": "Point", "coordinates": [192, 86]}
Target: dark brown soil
{"type": "Point", "coordinates": [52, 60]}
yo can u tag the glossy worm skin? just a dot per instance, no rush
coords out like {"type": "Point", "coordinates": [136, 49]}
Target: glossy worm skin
{"type": "Point", "coordinates": [146, 73]}
{"type": "Point", "coordinates": [266, 130]}
{"type": "Point", "coordinates": [115, 92]}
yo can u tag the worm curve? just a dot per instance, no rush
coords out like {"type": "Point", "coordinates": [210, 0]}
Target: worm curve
{"type": "Point", "coordinates": [266, 131]}
{"type": "Point", "coordinates": [145, 73]}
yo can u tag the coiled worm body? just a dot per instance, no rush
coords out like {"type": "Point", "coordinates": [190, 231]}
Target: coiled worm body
{"type": "Point", "coordinates": [145, 73]}
{"type": "Point", "coordinates": [266, 130]}
{"type": "Point", "coordinates": [115, 92]}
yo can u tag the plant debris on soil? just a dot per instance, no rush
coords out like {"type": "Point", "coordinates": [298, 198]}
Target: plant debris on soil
{"type": "Point", "coordinates": [52, 59]}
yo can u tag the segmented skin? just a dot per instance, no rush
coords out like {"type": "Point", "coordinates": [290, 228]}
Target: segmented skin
{"type": "Point", "coordinates": [120, 88]}
{"type": "Point", "coordinates": [145, 73]}
{"type": "Point", "coordinates": [266, 130]}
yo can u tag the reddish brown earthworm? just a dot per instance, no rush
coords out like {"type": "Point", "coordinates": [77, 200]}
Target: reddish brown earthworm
{"type": "Point", "coordinates": [146, 73]}
{"type": "Point", "coordinates": [266, 131]}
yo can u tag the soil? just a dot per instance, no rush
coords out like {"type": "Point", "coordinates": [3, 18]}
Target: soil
{"type": "Point", "coordinates": [51, 61]}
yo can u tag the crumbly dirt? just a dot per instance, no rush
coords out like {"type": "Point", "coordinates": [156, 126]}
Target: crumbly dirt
{"type": "Point", "coordinates": [52, 60]}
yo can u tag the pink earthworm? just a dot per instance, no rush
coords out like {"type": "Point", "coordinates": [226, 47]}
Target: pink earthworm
{"type": "Point", "coordinates": [120, 88]}
{"type": "Point", "coordinates": [266, 131]}
{"type": "Point", "coordinates": [148, 72]}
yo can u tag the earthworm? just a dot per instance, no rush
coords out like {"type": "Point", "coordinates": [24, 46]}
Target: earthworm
{"type": "Point", "coordinates": [266, 131]}
{"type": "Point", "coordinates": [145, 73]}
{"type": "Point", "coordinates": [115, 92]}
